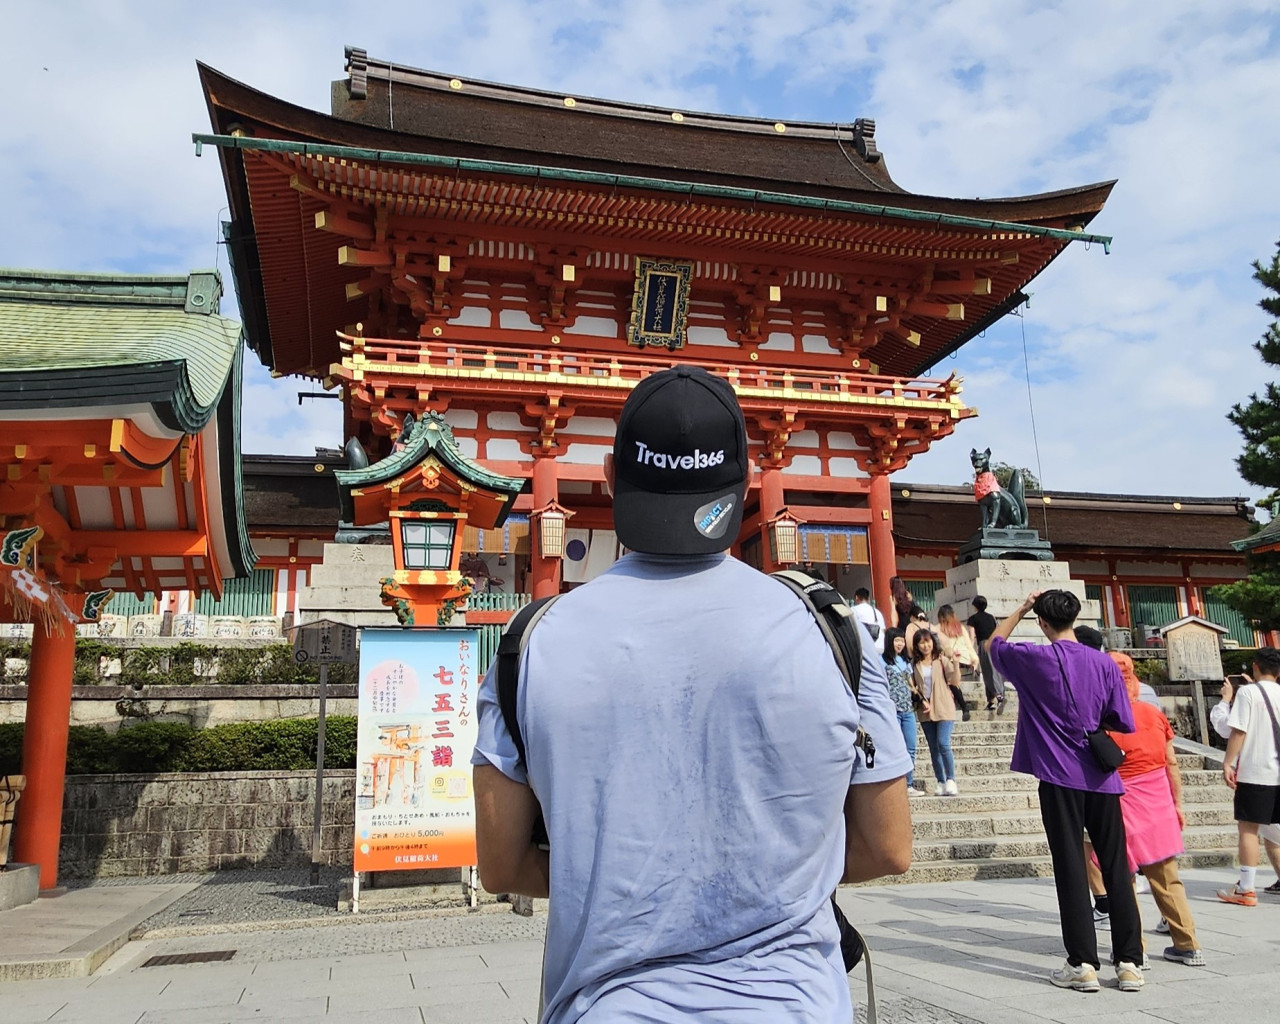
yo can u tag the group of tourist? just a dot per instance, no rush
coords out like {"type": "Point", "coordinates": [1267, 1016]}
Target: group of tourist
{"type": "Point", "coordinates": [706, 795]}
{"type": "Point", "coordinates": [1131, 810]}
{"type": "Point", "coordinates": [924, 681]}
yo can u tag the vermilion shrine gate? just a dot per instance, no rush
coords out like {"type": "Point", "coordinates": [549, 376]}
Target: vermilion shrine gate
{"type": "Point", "coordinates": [515, 260]}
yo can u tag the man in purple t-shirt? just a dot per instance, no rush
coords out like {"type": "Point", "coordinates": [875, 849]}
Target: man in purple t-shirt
{"type": "Point", "coordinates": [1066, 690]}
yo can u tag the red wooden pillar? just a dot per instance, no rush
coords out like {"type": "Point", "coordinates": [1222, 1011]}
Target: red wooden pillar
{"type": "Point", "coordinates": [545, 572]}
{"type": "Point", "coordinates": [38, 831]}
{"type": "Point", "coordinates": [884, 561]}
{"type": "Point", "coordinates": [1121, 601]}
{"type": "Point", "coordinates": [772, 501]}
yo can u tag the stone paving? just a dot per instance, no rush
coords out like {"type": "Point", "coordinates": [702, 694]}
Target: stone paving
{"type": "Point", "coordinates": [975, 951]}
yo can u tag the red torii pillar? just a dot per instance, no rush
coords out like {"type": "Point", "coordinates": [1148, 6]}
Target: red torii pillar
{"type": "Point", "coordinates": [38, 830]}
{"type": "Point", "coordinates": [884, 561]}
{"type": "Point", "coordinates": [773, 499]}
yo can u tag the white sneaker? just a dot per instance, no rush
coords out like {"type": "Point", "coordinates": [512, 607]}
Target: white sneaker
{"type": "Point", "coordinates": [1083, 978]}
{"type": "Point", "coordinates": [1163, 926]}
{"type": "Point", "coordinates": [951, 789]}
{"type": "Point", "coordinates": [912, 791]}
{"type": "Point", "coordinates": [1140, 883]}
{"type": "Point", "coordinates": [1129, 977]}
{"type": "Point", "coordinates": [939, 790]}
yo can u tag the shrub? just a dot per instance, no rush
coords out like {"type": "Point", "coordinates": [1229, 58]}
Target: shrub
{"type": "Point", "coordinates": [91, 751]}
{"type": "Point", "coordinates": [11, 748]}
{"type": "Point", "coordinates": [152, 746]}
{"type": "Point", "coordinates": [283, 745]}
{"type": "Point", "coordinates": [1154, 671]}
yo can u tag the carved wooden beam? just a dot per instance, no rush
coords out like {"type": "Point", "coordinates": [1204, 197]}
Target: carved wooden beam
{"type": "Point", "coordinates": [964, 286]}
{"type": "Point", "coordinates": [341, 223]}
{"type": "Point", "coordinates": [549, 416]}
{"type": "Point", "coordinates": [777, 430]}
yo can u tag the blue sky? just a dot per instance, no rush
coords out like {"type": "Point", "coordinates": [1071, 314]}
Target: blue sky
{"type": "Point", "coordinates": [1134, 358]}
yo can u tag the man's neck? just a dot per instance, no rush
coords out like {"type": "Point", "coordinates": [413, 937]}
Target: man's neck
{"type": "Point", "coordinates": [1066, 636]}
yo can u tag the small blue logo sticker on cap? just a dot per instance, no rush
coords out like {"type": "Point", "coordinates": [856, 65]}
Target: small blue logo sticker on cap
{"type": "Point", "coordinates": [712, 519]}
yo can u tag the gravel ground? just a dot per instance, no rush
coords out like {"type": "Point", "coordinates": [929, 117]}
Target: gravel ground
{"type": "Point", "coordinates": [257, 899]}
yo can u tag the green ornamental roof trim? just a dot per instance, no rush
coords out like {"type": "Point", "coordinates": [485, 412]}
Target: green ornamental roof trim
{"type": "Point", "coordinates": [429, 436]}
{"type": "Point", "coordinates": [687, 188]}
{"type": "Point", "coordinates": [230, 467]}
{"type": "Point", "coordinates": [1269, 534]}
{"type": "Point", "coordinates": [163, 336]}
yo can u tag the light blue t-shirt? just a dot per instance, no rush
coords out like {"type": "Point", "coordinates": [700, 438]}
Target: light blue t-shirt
{"type": "Point", "coordinates": [691, 742]}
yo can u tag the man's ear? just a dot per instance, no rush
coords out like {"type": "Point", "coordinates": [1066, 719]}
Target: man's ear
{"type": "Point", "coordinates": [608, 473]}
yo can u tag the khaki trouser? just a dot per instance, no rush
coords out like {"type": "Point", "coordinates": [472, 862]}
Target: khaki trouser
{"type": "Point", "coordinates": [1171, 897]}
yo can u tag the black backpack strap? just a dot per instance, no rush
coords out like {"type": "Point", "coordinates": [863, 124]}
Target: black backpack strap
{"type": "Point", "coordinates": [840, 629]}
{"type": "Point", "coordinates": [510, 647]}
{"type": "Point", "coordinates": [835, 619]}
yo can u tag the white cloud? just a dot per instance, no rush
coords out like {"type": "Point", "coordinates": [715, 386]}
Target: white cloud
{"type": "Point", "coordinates": [1135, 357]}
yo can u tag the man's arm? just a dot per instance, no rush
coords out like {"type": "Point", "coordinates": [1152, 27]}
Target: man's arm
{"type": "Point", "coordinates": [1232, 757]}
{"type": "Point", "coordinates": [1010, 622]}
{"type": "Point", "coordinates": [1218, 715]}
{"type": "Point", "coordinates": [877, 820]}
{"type": "Point", "coordinates": [505, 815]}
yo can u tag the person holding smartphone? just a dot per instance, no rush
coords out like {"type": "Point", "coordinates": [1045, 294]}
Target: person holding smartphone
{"type": "Point", "coordinates": [1267, 832]}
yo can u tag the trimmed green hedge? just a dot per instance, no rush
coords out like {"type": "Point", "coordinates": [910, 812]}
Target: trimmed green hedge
{"type": "Point", "coordinates": [185, 664]}
{"type": "Point", "coordinates": [281, 745]}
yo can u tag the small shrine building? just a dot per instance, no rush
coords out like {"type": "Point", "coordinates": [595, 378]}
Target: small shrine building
{"type": "Point", "coordinates": [119, 472]}
{"type": "Point", "coordinates": [515, 260]}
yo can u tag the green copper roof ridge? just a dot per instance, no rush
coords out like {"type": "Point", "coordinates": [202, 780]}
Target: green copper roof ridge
{"type": "Point", "coordinates": [632, 181]}
{"type": "Point", "coordinates": [98, 287]}
{"type": "Point", "coordinates": [423, 441]}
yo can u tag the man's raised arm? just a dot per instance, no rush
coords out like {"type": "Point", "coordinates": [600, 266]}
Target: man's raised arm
{"type": "Point", "coordinates": [1010, 622]}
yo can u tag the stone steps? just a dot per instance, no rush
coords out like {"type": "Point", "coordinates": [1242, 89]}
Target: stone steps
{"type": "Point", "coordinates": [1190, 765]}
{"type": "Point", "coordinates": [992, 829]}
{"type": "Point", "coordinates": [1033, 844]}
{"type": "Point", "coordinates": [1025, 867]}
{"type": "Point", "coordinates": [1027, 823]}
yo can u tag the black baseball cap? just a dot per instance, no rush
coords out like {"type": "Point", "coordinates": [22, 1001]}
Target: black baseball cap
{"type": "Point", "coordinates": [680, 464]}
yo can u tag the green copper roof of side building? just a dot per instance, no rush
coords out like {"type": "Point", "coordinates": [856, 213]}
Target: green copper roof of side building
{"type": "Point", "coordinates": [80, 341]}
{"type": "Point", "coordinates": [158, 339]}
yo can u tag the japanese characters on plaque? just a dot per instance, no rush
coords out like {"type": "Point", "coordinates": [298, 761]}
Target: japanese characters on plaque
{"type": "Point", "coordinates": [414, 741]}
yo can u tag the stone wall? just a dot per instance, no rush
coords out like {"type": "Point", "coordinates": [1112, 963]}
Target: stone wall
{"type": "Point", "coordinates": [200, 706]}
{"type": "Point", "coordinates": [116, 825]}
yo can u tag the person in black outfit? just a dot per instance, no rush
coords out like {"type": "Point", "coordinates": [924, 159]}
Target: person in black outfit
{"type": "Point", "coordinates": [984, 624]}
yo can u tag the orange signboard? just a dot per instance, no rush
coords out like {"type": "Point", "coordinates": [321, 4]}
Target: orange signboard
{"type": "Point", "coordinates": [417, 729]}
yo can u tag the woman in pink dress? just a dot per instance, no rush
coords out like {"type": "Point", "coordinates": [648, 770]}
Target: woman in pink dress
{"type": "Point", "coordinates": [1152, 810]}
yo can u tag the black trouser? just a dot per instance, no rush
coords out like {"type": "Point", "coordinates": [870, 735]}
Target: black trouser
{"type": "Point", "coordinates": [1067, 813]}
{"type": "Point", "coordinates": [994, 687]}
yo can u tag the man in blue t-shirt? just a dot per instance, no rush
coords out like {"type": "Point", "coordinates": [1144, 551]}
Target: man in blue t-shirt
{"type": "Point", "coordinates": [690, 742]}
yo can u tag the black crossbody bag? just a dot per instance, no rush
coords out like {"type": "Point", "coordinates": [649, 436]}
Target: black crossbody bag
{"type": "Point", "coordinates": [1106, 751]}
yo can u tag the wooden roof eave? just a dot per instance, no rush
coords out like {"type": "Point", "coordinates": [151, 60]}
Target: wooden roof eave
{"type": "Point", "coordinates": [222, 486]}
{"type": "Point", "coordinates": [234, 106]}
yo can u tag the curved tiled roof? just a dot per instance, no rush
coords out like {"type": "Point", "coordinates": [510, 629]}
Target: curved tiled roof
{"type": "Point", "coordinates": [160, 338]}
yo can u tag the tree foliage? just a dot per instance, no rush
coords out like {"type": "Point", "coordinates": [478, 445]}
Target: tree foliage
{"type": "Point", "coordinates": [1258, 419]}
{"type": "Point", "coordinates": [1004, 471]}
